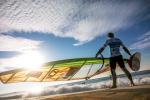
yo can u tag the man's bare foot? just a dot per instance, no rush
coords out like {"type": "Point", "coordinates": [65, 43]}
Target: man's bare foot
{"type": "Point", "coordinates": [113, 87]}
{"type": "Point", "coordinates": [131, 85]}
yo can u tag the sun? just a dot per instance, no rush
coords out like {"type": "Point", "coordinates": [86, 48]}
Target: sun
{"type": "Point", "coordinates": [31, 60]}
{"type": "Point", "coordinates": [35, 90]}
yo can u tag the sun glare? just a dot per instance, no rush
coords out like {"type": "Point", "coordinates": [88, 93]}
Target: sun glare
{"type": "Point", "coordinates": [31, 60]}
{"type": "Point", "coordinates": [34, 90]}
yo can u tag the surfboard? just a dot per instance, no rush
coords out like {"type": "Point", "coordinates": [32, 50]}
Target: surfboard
{"type": "Point", "coordinates": [134, 61]}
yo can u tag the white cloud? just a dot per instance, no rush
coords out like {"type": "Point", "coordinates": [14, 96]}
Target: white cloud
{"type": "Point", "coordinates": [78, 19]}
{"type": "Point", "coordinates": [28, 59]}
{"type": "Point", "coordinates": [17, 44]}
{"type": "Point", "coordinates": [143, 42]}
{"type": "Point", "coordinates": [9, 43]}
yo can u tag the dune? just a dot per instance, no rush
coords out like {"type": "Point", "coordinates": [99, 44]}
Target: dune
{"type": "Point", "coordinates": [141, 92]}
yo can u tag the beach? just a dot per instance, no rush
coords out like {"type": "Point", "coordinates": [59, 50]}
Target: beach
{"type": "Point", "coordinates": [141, 92]}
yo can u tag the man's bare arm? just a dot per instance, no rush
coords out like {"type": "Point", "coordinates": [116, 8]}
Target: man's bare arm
{"type": "Point", "coordinates": [99, 52]}
{"type": "Point", "coordinates": [101, 49]}
{"type": "Point", "coordinates": [126, 50]}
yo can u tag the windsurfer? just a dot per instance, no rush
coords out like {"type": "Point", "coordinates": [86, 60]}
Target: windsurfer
{"type": "Point", "coordinates": [116, 57]}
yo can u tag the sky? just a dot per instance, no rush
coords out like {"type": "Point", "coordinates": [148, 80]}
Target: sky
{"type": "Point", "coordinates": [48, 30]}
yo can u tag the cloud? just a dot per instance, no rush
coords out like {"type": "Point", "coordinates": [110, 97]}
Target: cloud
{"type": "Point", "coordinates": [28, 59]}
{"type": "Point", "coordinates": [16, 44]}
{"type": "Point", "coordinates": [10, 43]}
{"type": "Point", "coordinates": [143, 42]}
{"type": "Point", "coordinates": [82, 20]}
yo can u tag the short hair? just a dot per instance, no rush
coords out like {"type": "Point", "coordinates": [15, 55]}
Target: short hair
{"type": "Point", "coordinates": [110, 34]}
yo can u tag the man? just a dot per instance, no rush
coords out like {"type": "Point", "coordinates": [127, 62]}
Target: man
{"type": "Point", "coordinates": [116, 57]}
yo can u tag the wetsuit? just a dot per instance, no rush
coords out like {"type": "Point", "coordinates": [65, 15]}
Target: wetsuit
{"type": "Point", "coordinates": [116, 57]}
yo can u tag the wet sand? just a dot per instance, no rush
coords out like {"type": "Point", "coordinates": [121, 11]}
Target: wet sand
{"type": "Point", "coordinates": [127, 93]}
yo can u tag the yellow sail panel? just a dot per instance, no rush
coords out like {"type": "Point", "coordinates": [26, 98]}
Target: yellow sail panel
{"type": "Point", "coordinates": [41, 75]}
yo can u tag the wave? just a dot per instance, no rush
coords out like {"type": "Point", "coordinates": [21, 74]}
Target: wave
{"type": "Point", "coordinates": [63, 89]}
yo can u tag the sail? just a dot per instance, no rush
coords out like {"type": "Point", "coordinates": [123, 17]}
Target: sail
{"type": "Point", "coordinates": [62, 70]}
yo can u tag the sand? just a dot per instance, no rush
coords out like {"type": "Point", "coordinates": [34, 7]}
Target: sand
{"type": "Point", "coordinates": [141, 92]}
{"type": "Point", "coordinates": [126, 93]}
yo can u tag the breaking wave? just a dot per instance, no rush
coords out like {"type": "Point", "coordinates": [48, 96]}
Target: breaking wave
{"type": "Point", "coordinates": [62, 89]}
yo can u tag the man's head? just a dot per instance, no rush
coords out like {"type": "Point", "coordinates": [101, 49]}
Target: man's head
{"type": "Point", "coordinates": [110, 35]}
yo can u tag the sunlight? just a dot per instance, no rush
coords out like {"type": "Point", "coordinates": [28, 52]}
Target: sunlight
{"type": "Point", "coordinates": [34, 90]}
{"type": "Point", "coordinates": [31, 60]}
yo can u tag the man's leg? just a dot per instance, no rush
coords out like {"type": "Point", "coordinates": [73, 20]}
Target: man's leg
{"type": "Point", "coordinates": [122, 65]}
{"type": "Point", "coordinates": [113, 67]}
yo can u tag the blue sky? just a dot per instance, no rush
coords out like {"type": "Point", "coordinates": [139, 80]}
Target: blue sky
{"type": "Point", "coordinates": [62, 29]}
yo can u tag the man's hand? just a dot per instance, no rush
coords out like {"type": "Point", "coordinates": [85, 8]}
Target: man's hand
{"type": "Point", "coordinates": [96, 55]}
{"type": "Point", "coordinates": [130, 54]}
{"type": "Point", "coordinates": [99, 52]}
{"type": "Point", "coordinates": [87, 77]}
{"type": "Point", "coordinates": [127, 51]}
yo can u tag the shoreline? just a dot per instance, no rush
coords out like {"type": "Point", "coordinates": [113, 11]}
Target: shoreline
{"type": "Point", "coordinates": [141, 92]}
